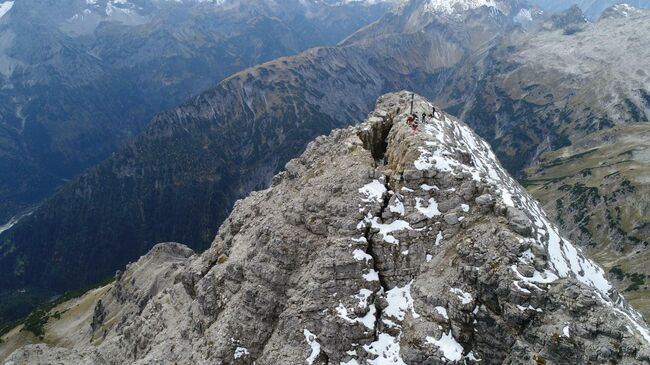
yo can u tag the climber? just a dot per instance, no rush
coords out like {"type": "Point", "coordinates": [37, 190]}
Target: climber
{"type": "Point", "coordinates": [424, 118]}
{"type": "Point", "coordinates": [412, 121]}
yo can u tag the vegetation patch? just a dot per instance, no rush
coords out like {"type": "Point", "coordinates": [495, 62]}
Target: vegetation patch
{"type": "Point", "coordinates": [584, 197]}
{"type": "Point", "coordinates": [561, 141]}
{"type": "Point", "coordinates": [35, 322]}
{"type": "Point", "coordinates": [560, 211]}
{"type": "Point", "coordinates": [559, 161]}
{"type": "Point", "coordinates": [637, 279]}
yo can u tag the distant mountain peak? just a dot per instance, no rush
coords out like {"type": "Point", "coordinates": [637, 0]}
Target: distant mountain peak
{"type": "Point", "coordinates": [620, 11]}
{"type": "Point", "coordinates": [456, 6]}
{"type": "Point", "coordinates": [88, 14]}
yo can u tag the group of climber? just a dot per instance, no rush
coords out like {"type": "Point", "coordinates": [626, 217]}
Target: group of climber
{"type": "Point", "coordinates": [413, 120]}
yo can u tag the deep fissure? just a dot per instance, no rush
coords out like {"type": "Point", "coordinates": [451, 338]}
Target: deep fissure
{"type": "Point", "coordinates": [376, 139]}
{"type": "Point", "coordinates": [375, 263]}
{"type": "Point", "coordinates": [378, 148]}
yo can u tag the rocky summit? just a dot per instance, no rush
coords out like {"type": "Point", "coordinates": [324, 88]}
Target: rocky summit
{"type": "Point", "coordinates": [379, 245]}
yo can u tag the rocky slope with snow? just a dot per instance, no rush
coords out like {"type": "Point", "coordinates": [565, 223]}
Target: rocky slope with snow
{"type": "Point", "coordinates": [571, 109]}
{"type": "Point", "coordinates": [597, 191]}
{"type": "Point", "coordinates": [379, 245]}
{"type": "Point", "coordinates": [197, 159]}
{"type": "Point", "coordinates": [180, 178]}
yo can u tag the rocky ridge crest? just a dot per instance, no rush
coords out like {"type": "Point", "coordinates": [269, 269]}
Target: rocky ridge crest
{"type": "Point", "coordinates": [379, 245]}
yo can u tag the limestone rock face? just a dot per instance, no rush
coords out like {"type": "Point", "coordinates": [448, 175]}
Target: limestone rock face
{"type": "Point", "coordinates": [379, 245]}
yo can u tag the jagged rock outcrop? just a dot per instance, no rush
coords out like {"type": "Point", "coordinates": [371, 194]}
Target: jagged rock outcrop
{"type": "Point", "coordinates": [379, 245]}
{"type": "Point", "coordinates": [179, 179]}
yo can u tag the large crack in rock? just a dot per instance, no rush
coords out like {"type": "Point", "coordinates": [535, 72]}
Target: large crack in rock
{"type": "Point", "coordinates": [375, 137]}
{"type": "Point", "coordinates": [375, 140]}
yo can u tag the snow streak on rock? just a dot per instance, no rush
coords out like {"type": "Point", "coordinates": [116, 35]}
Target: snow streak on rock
{"type": "Point", "coordinates": [450, 142]}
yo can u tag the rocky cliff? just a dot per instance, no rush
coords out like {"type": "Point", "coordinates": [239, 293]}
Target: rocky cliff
{"type": "Point", "coordinates": [180, 178]}
{"type": "Point", "coordinates": [379, 245]}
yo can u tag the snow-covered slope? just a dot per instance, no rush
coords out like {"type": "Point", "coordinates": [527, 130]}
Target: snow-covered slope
{"type": "Point", "coordinates": [379, 245]}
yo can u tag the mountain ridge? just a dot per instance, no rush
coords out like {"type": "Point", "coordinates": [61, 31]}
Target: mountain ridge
{"type": "Point", "coordinates": [198, 159]}
{"type": "Point", "coordinates": [73, 98]}
{"type": "Point", "coordinates": [416, 246]}
{"type": "Point", "coordinates": [183, 167]}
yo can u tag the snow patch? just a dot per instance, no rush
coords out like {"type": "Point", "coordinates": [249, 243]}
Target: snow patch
{"type": "Point", "coordinates": [386, 348]}
{"type": "Point", "coordinates": [386, 229]}
{"type": "Point", "coordinates": [530, 308]}
{"type": "Point", "coordinates": [12, 222]}
{"type": "Point", "coordinates": [470, 356]}
{"type": "Point", "coordinates": [368, 320]}
{"type": "Point", "coordinates": [315, 346]}
{"type": "Point", "coordinates": [399, 302]}
{"type": "Point", "coordinates": [463, 296]}
{"type": "Point", "coordinates": [241, 352]}
{"type": "Point", "coordinates": [372, 275]}
{"type": "Point", "coordinates": [451, 349]}
{"type": "Point", "coordinates": [426, 187]}
{"type": "Point", "coordinates": [430, 211]}
{"type": "Point", "coordinates": [397, 207]}
{"type": "Point", "coordinates": [439, 238]}
{"type": "Point", "coordinates": [545, 278]}
{"type": "Point", "coordinates": [361, 255]}
{"type": "Point", "coordinates": [5, 7]}
{"type": "Point", "coordinates": [442, 311]}
{"type": "Point", "coordinates": [373, 191]}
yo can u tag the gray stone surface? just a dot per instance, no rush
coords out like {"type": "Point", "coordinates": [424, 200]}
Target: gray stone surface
{"type": "Point", "coordinates": [349, 259]}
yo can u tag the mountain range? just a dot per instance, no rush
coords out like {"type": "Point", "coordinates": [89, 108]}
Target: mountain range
{"type": "Point", "coordinates": [178, 180]}
{"type": "Point", "coordinates": [80, 78]}
{"type": "Point", "coordinates": [564, 110]}
{"type": "Point", "coordinates": [503, 67]}
{"type": "Point", "coordinates": [592, 8]}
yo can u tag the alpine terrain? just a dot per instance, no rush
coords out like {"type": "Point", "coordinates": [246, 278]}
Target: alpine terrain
{"type": "Point", "coordinates": [592, 8]}
{"type": "Point", "coordinates": [566, 110]}
{"type": "Point", "coordinates": [504, 67]}
{"type": "Point", "coordinates": [78, 78]}
{"type": "Point", "coordinates": [178, 180]}
{"type": "Point", "coordinates": [594, 176]}
{"type": "Point", "coordinates": [379, 245]}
